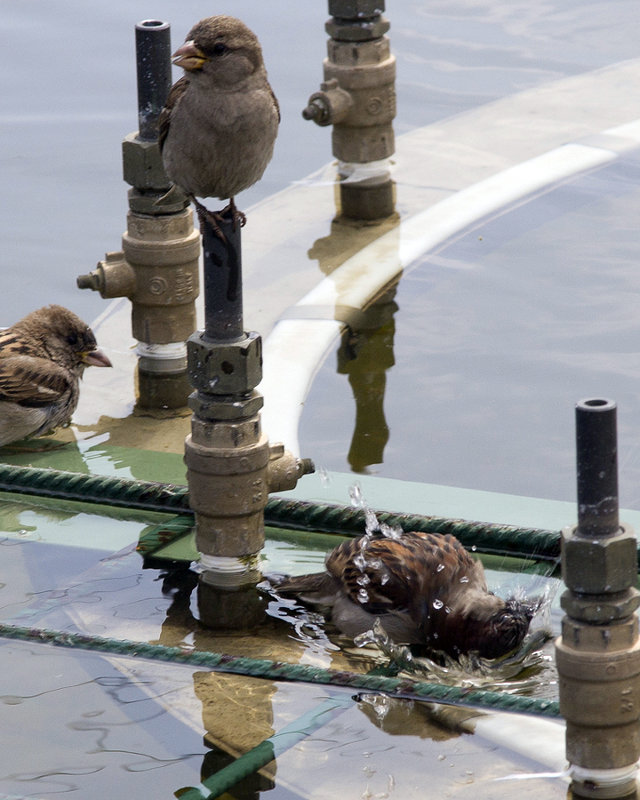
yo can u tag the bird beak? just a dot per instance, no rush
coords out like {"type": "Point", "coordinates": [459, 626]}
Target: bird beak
{"type": "Point", "coordinates": [189, 57]}
{"type": "Point", "coordinates": [95, 358]}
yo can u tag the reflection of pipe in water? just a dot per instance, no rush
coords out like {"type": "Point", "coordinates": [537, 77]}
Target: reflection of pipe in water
{"type": "Point", "coordinates": [365, 356]}
{"type": "Point", "coordinates": [598, 653]}
{"type": "Point", "coordinates": [268, 750]}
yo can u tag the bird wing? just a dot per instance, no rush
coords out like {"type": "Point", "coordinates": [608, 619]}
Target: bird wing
{"type": "Point", "coordinates": [318, 587]}
{"type": "Point", "coordinates": [173, 98]}
{"type": "Point", "coordinates": [32, 381]}
{"type": "Point", "coordinates": [276, 104]}
{"type": "Point", "coordinates": [387, 573]}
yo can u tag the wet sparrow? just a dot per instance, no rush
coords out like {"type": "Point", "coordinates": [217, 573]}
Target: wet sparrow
{"type": "Point", "coordinates": [219, 125]}
{"type": "Point", "coordinates": [42, 358]}
{"type": "Point", "coordinates": [424, 587]}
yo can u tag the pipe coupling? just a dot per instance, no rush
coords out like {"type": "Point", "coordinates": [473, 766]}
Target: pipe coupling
{"type": "Point", "coordinates": [285, 469]}
{"type": "Point", "coordinates": [358, 98]}
{"type": "Point", "coordinates": [330, 105]}
{"type": "Point", "coordinates": [228, 487]}
{"type": "Point", "coordinates": [158, 271]}
{"type": "Point", "coordinates": [600, 700]}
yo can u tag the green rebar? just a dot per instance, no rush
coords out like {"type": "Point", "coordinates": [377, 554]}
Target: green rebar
{"type": "Point", "coordinates": [104, 490]}
{"type": "Point", "coordinates": [266, 751]}
{"type": "Point", "coordinates": [485, 537]}
{"type": "Point", "coordinates": [404, 688]}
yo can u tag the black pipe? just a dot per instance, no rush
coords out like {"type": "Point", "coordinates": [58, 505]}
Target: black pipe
{"type": "Point", "coordinates": [222, 256]}
{"type": "Point", "coordinates": [153, 63]}
{"type": "Point", "coordinates": [597, 463]}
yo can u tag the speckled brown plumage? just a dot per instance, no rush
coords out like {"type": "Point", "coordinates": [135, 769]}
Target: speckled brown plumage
{"type": "Point", "coordinates": [42, 358]}
{"type": "Point", "coordinates": [424, 587]}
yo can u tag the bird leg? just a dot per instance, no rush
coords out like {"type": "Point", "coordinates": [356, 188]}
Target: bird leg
{"type": "Point", "coordinates": [234, 213]}
{"type": "Point", "coordinates": [214, 218]}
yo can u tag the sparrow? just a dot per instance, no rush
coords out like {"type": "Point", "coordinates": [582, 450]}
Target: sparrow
{"type": "Point", "coordinates": [219, 124]}
{"type": "Point", "coordinates": [424, 588]}
{"type": "Point", "coordinates": [42, 358]}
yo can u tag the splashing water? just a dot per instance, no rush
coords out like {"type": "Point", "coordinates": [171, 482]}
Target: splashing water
{"type": "Point", "coordinates": [515, 673]}
{"type": "Point", "coordinates": [372, 525]}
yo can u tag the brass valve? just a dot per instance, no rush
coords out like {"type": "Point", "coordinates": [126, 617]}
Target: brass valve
{"type": "Point", "coordinates": [358, 98]}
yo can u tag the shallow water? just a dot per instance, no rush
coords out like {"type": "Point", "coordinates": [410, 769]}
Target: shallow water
{"type": "Point", "coordinates": [106, 724]}
{"type": "Point", "coordinates": [86, 724]}
{"type": "Point", "coordinates": [498, 335]}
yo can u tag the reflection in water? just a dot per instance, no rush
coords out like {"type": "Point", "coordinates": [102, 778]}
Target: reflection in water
{"type": "Point", "coordinates": [205, 720]}
{"type": "Point", "coordinates": [365, 355]}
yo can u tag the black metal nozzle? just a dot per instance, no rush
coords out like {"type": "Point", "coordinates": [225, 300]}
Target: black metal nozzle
{"type": "Point", "coordinates": [153, 62]}
{"type": "Point", "coordinates": [222, 255]}
{"type": "Point", "coordinates": [597, 464]}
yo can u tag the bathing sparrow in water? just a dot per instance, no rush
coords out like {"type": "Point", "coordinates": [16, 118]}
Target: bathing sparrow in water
{"type": "Point", "coordinates": [42, 358]}
{"type": "Point", "coordinates": [219, 125]}
{"type": "Point", "coordinates": [424, 588]}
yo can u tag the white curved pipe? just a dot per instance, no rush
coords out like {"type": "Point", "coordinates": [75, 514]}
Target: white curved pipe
{"type": "Point", "coordinates": [297, 346]}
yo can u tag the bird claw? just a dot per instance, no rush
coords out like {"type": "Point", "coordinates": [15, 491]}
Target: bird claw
{"type": "Point", "coordinates": [217, 218]}
{"type": "Point", "coordinates": [233, 213]}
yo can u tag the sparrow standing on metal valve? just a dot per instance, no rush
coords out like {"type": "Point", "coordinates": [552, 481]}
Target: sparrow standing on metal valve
{"type": "Point", "coordinates": [42, 358]}
{"type": "Point", "coordinates": [424, 588]}
{"type": "Point", "coordinates": [220, 121]}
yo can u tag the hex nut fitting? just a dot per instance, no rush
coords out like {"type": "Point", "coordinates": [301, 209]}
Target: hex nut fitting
{"type": "Point", "coordinates": [212, 408]}
{"type": "Point", "coordinates": [356, 9]}
{"type": "Point", "coordinates": [225, 368]}
{"type": "Point", "coordinates": [142, 165]}
{"type": "Point", "coordinates": [599, 566]}
{"type": "Point", "coordinates": [600, 609]}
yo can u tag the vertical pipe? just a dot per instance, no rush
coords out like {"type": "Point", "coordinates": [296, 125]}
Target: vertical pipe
{"type": "Point", "coordinates": [222, 256]}
{"type": "Point", "coordinates": [598, 653]}
{"type": "Point", "coordinates": [597, 463]}
{"type": "Point", "coordinates": [153, 67]}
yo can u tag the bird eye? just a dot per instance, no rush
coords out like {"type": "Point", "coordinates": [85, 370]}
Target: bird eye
{"type": "Point", "coordinates": [72, 338]}
{"type": "Point", "coordinates": [219, 49]}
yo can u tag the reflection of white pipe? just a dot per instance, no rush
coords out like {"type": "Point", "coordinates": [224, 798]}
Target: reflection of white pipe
{"type": "Point", "coordinates": [535, 738]}
{"type": "Point", "coordinates": [296, 347]}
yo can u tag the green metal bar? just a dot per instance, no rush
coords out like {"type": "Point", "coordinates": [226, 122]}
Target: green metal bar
{"type": "Point", "coordinates": [283, 671]}
{"type": "Point", "coordinates": [266, 751]}
{"type": "Point", "coordinates": [485, 537]}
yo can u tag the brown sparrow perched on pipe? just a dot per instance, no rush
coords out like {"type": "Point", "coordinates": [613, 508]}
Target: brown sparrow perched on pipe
{"type": "Point", "coordinates": [425, 589]}
{"type": "Point", "coordinates": [42, 358]}
{"type": "Point", "coordinates": [219, 125]}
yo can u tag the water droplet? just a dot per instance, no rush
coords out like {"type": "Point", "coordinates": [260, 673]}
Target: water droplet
{"type": "Point", "coordinates": [355, 493]}
{"type": "Point", "coordinates": [360, 561]}
{"type": "Point", "coordinates": [437, 604]}
{"type": "Point", "coordinates": [464, 579]}
{"type": "Point", "coordinates": [325, 478]}
{"type": "Point", "coordinates": [440, 568]}
{"type": "Point", "coordinates": [473, 548]}
{"type": "Point", "coordinates": [363, 595]}
{"type": "Point", "coordinates": [389, 532]}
